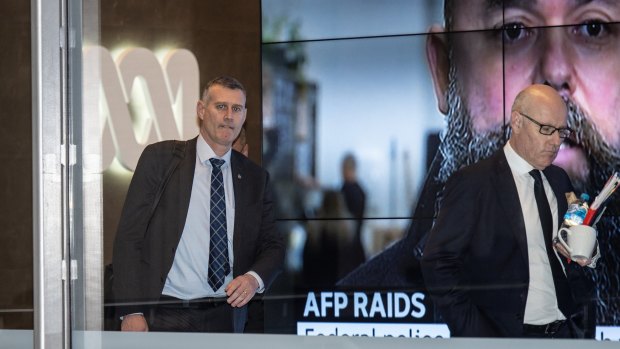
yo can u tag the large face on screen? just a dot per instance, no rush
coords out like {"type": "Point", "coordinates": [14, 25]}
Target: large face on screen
{"type": "Point", "coordinates": [567, 44]}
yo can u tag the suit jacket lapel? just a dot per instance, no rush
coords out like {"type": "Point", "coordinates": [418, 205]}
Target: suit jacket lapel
{"type": "Point", "coordinates": [509, 199]}
{"type": "Point", "coordinates": [187, 168]}
{"type": "Point", "coordinates": [239, 186]}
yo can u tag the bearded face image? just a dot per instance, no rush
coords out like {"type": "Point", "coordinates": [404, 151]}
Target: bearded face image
{"type": "Point", "coordinates": [462, 145]}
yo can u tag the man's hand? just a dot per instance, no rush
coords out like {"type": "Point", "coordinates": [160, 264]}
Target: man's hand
{"type": "Point", "coordinates": [241, 290]}
{"type": "Point", "coordinates": [560, 248]}
{"type": "Point", "coordinates": [134, 323]}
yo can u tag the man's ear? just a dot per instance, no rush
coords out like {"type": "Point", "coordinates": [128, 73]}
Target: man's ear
{"type": "Point", "coordinates": [516, 121]}
{"type": "Point", "coordinates": [439, 64]}
{"type": "Point", "coordinates": [200, 109]}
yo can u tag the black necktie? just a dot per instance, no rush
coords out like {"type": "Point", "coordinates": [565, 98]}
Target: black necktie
{"type": "Point", "coordinates": [560, 282]}
{"type": "Point", "coordinates": [218, 248]}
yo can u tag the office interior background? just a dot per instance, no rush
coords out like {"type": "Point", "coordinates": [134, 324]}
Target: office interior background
{"type": "Point", "coordinates": [325, 79]}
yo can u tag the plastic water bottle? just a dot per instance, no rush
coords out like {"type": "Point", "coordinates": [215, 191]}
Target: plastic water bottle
{"type": "Point", "coordinates": [577, 211]}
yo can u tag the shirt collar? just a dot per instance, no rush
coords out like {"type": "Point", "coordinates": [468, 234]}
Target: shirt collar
{"type": "Point", "coordinates": [517, 164]}
{"type": "Point", "coordinates": [204, 152]}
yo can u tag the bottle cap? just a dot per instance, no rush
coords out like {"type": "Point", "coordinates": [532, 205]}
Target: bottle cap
{"type": "Point", "coordinates": [585, 197]}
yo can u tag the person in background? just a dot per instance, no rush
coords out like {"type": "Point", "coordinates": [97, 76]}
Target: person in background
{"type": "Point", "coordinates": [209, 245]}
{"type": "Point", "coordinates": [240, 144]}
{"type": "Point", "coordinates": [329, 243]}
{"type": "Point", "coordinates": [355, 199]}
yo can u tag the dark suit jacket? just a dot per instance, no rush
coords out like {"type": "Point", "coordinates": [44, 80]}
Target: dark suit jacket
{"type": "Point", "coordinates": [475, 263]}
{"type": "Point", "coordinates": [144, 249]}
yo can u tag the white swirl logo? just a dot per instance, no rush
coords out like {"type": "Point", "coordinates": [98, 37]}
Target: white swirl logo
{"type": "Point", "coordinates": [139, 99]}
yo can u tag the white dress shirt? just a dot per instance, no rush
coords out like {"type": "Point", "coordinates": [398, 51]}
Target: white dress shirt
{"type": "Point", "coordinates": [541, 306]}
{"type": "Point", "coordinates": [187, 278]}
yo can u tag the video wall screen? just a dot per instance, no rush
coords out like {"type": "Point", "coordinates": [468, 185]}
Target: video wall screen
{"type": "Point", "coordinates": [369, 107]}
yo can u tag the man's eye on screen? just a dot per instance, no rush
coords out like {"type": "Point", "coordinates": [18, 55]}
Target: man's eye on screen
{"type": "Point", "coordinates": [592, 28]}
{"type": "Point", "coordinates": [515, 32]}
{"type": "Point", "coordinates": [595, 32]}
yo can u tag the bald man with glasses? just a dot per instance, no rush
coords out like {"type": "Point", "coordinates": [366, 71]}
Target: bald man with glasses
{"type": "Point", "coordinates": [490, 263]}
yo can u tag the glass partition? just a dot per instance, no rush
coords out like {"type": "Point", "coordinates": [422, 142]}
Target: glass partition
{"type": "Point", "coordinates": [359, 110]}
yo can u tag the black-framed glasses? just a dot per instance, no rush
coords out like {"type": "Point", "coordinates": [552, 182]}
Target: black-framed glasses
{"type": "Point", "coordinates": [548, 130]}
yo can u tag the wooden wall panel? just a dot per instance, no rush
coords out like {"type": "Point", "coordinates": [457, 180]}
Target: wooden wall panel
{"type": "Point", "coordinates": [225, 37]}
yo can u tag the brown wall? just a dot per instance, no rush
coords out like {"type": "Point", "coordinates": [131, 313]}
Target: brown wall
{"type": "Point", "coordinates": [223, 35]}
{"type": "Point", "coordinates": [16, 170]}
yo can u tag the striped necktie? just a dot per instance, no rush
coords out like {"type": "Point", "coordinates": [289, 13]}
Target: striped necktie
{"type": "Point", "coordinates": [219, 266]}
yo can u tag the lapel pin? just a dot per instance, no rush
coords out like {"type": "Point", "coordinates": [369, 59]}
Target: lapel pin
{"type": "Point", "coordinates": [239, 176]}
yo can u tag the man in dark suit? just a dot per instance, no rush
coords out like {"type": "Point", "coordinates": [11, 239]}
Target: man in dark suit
{"type": "Point", "coordinates": [489, 262]}
{"type": "Point", "coordinates": [195, 260]}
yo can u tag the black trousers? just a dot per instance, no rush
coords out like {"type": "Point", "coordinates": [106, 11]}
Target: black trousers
{"type": "Point", "coordinates": [199, 315]}
{"type": "Point", "coordinates": [558, 329]}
